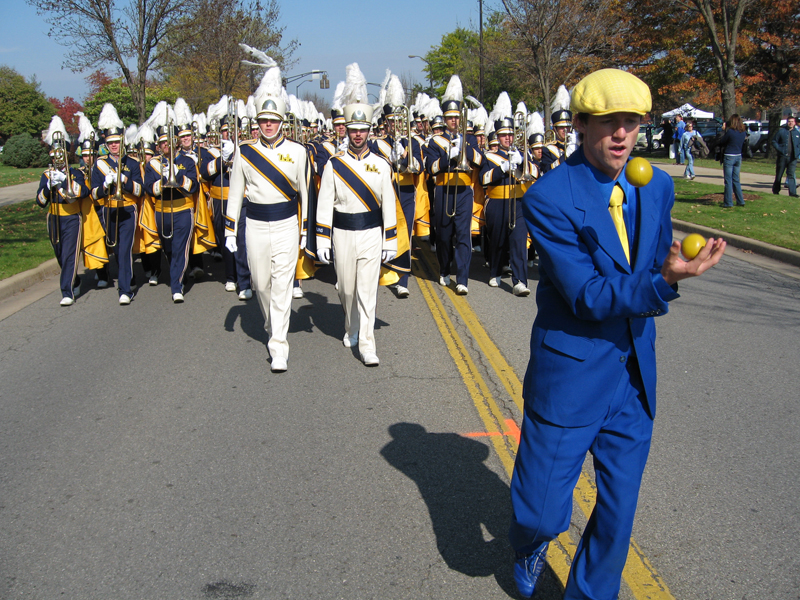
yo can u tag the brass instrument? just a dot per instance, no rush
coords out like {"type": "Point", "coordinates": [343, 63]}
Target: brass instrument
{"type": "Point", "coordinates": [406, 128]}
{"type": "Point", "coordinates": [291, 124]}
{"type": "Point", "coordinates": [463, 165]}
{"type": "Point", "coordinates": [213, 137]}
{"type": "Point", "coordinates": [521, 143]}
{"type": "Point", "coordinates": [549, 137]}
{"type": "Point", "coordinates": [171, 182]}
{"type": "Point", "coordinates": [61, 161]}
{"type": "Point", "coordinates": [117, 202]}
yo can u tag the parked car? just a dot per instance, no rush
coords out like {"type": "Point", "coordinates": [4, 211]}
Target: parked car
{"type": "Point", "coordinates": [641, 141]}
{"type": "Point", "coordinates": [757, 134]}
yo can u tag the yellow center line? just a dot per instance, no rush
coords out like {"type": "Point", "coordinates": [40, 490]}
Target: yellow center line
{"type": "Point", "coordinates": [639, 574]}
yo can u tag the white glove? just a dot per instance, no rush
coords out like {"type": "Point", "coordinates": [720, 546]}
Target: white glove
{"type": "Point", "coordinates": [227, 149]}
{"type": "Point", "coordinates": [398, 148]}
{"type": "Point", "coordinates": [111, 179]}
{"type": "Point", "coordinates": [302, 242]}
{"type": "Point", "coordinates": [455, 149]}
{"type": "Point", "coordinates": [515, 158]}
{"type": "Point", "coordinates": [56, 179]}
{"type": "Point", "coordinates": [344, 145]}
{"type": "Point", "coordinates": [504, 166]}
{"type": "Point", "coordinates": [324, 255]}
{"type": "Point", "coordinates": [393, 156]}
{"type": "Point", "coordinates": [414, 163]}
{"type": "Point", "coordinates": [388, 255]}
{"type": "Point", "coordinates": [230, 243]}
{"type": "Point", "coordinates": [165, 170]}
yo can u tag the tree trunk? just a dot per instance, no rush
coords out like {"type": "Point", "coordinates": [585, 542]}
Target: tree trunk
{"type": "Point", "coordinates": [774, 125]}
{"type": "Point", "coordinates": [728, 94]}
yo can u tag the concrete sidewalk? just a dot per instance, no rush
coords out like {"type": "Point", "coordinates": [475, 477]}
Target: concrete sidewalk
{"type": "Point", "coordinates": [750, 181]}
{"type": "Point", "coordinates": [13, 194]}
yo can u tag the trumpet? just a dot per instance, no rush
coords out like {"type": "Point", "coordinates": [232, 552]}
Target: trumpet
{"type": "Point", "coordinates": [549, 137]}
{"type": "Point", "coordinates": [61, 161]}
{"type": "Point", "coordinates": [213, 137]}
{"type": "Point", "coordinates": [521, 143]}
{"type": "Point", "coordinates": [292, 125]}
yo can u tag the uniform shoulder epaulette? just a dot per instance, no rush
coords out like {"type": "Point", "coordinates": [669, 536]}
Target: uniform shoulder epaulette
{"type": "Point", "coordinates": [247, 142]}
{"type": "Point", "coordinates": [339, 154]}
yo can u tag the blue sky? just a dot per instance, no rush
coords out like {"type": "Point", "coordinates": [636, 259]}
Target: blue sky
{"type": "Point", "coordinates": [378, 36]}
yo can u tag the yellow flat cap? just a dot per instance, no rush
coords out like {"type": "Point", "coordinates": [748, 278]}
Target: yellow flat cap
{"type": "Point", "coordinates": [609, 91]}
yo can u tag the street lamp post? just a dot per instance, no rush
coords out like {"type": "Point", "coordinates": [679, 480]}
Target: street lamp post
{"type": "Point", "coordinates": [430, 71]}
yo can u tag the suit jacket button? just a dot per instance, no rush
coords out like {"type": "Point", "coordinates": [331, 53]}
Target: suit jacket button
{"type": "Point", "coordinates": [622, 359]}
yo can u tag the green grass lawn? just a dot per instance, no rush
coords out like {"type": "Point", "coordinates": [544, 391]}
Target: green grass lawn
{"type": "Point", "coordinates": [766, 217]}
{"type": "Point", "coordinates": [13, 175]}
{"type": "Point", "coordinates": [23, 238]}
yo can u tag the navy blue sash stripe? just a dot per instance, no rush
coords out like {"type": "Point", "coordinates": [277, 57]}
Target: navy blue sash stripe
{"type": "Point", "coordinates": [357, 221]}
{"type": "Point", "coordinates": [355, 183]}
{"type": "Point", "coordinates": [272, 212]}
{"type": "Point", "coordinates": [264, 166]}
{"type": "Point", "coordinates": [229, 224]}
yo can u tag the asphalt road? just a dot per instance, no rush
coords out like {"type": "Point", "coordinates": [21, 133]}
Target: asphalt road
{"type": "Point", "coordinates": [147, 451]}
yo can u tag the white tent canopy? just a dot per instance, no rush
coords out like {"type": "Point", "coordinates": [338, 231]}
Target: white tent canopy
{"type": "Point", "coordinates": [687, 110]}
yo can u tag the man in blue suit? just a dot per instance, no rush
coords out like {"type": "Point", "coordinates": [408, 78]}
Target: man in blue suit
{"type": "Point", "coordinates": [608, 265]}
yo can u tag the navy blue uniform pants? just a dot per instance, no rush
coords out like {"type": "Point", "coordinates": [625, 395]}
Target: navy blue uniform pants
{"type": "Point", "coordinates": [122, 231]}
{"type": "Point", "coordinates": [66, 244]}
{"type": "Point", "coordinates": [546, 471]}
{"type": "Point", "coordinates": [180, 225]}
{"type": "Point", "coordinates": [498, 213]}
{"type": "Point", "coordinates": [408, 202]}
{"type": "Point", "coordinates": [236, 267]}
{"type": "Point", "coordinates": [453, 234]}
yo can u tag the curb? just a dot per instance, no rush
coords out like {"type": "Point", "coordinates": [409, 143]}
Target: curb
{"type": "Point", "coordinates": [742, 243]}
{"type": "Point", "coordinates": [22, 281]}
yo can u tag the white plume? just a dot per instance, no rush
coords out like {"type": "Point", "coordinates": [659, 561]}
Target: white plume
{"type": "Point", "coordinates": [535, 124]}
{"type": "Point", "coordinates": [473, 101]}
{"type": "Point", "coordinates": [130, 135]}
{"type": "Point", "coordinates": [56, 124]}
{"type": "Point", "coordinates": [337, 96]}
{"type": "Point", "coordinates": [271, 84]}
{"type": "Point", "coordinates": [502, 108]}
{"type": "Point", "coordinates": [109, 117]}
{"type": "Point", "coordinates": [218, 110]}
{"type": "Point", "coordinates": [202, 126]}
{"type": "Point", "coordinates": [478, 116]}
{"type": "Point", "coordinates": [250, 108]}
{"type": "Point", "coordinates": [84, 127]}
{"type": "Point", "coordinates": [382, 94]}
{"type": "Point", "coordinates": [432, 109]}
{"type": "Point", "coordinates": [261, 57]}
{"type": "Point", "coordinates": [146, 133]}
{"type": "Point", "coordinates": [183, 114]}
{"type": "Point", "coordinates": [294, 106]}
{"type": "Point", "coordinates": [561, 101]}
{"type": "Point", "coordinates": [162, 114]}
{"type": "Point", "coordinates": [521, 108]}
{"type": "Point", "coordinates": [395, 95]}
{"type": "Point", "coordinates": [454, 91]}
{"type": "Point", "coordinates": [355, 86]}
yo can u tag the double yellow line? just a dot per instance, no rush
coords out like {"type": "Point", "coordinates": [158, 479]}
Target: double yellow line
{"type": "Point", "coordinates": [639, 574]}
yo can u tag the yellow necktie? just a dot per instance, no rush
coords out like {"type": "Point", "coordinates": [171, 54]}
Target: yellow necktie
{"type": "Point", "coordinates": [615, 209]}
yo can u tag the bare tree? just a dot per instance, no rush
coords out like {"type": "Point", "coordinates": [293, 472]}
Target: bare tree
{"type": "Point", "coordinates": [203, 63]}
{"type": "Point", "coordinates": [561, 39]}
{"type": "Point", "coordinates": [130, 34]}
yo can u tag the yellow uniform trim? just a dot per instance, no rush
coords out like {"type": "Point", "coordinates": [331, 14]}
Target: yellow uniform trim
{"type": "Point", "coordinates": [454, 179]}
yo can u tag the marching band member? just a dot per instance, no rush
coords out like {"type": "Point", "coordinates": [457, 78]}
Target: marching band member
{"type": "Point", "coordinates": [62, 187]}
{"type": "Point", "coordinates": [502, 174]}
{"type": "Point", "coordinates": [357, 219]}
{"type": "Point", "coordinates": [406, 161]}
{"type": "Point", "coordinates": [556, 153]}
{"type": "Point", "coordinates": [95, 253]}
{"type": "Point", "coordinates": [171, 179]}
{"type": "Point", "coordinates": [215, 164]}
{"type": "Point", "coordinates": [120, 198]}
{"type": "Point", "coordinates": [454, 195]}
{"type": "Point", "coordinates": [150, 244]}
{"type": "Point", "coordinates": [275, 173]}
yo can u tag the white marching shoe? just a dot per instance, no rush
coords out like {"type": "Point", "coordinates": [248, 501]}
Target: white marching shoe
{"type": "Point", "coordinates": [444, 280]}
{"type": "Point", "coordinates": [402, 292]}
{"type": "Point", "coordinates": [461, 289]}
{"type": "Point", "coordinates": [124, 300]}
{"type": "Point", "coordinates": [520, 289]}
{"type": "Point", "coordinates": [177, 298]}
{"type": "Point", "coordinates": [246, 294]}
{"type": "Point", "coordinates": [494, 282]}
{"type": "Point", "coordinates": [230, 286]}
{"type": "Point", "coordinates": [67, 301]}
{"type": "Point", "coordinates": [350, 342]}
{"type": "Point", "coordinates": [371, 359]}
{"type": "Point", "coordinates": [279, 364]}
{"type": "Point", "coordinates": [297, 292]}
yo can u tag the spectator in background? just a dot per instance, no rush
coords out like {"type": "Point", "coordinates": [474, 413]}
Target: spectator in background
{"type": "Point", "coordinates": [666, 135]}
{"type": "Point", "coordinates": [680, 127]}
{"type": "Point", "coordinates": [731, 144]}
{"type": "Point", "coordinates": [687, 140]}
{"type": "Point", "coordinates": [787, 143]}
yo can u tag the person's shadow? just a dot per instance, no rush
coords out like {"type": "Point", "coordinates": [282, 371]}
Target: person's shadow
{"type": "Point", "coordinates": [469, 505]}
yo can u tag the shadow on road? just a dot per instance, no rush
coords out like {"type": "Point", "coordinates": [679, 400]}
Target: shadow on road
{"type": "Point", "coordinates": [469, 505]}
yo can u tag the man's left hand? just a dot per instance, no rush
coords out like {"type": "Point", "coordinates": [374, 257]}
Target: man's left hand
{"type": "Point", "coordinates": [388, 255]}
{"type": "Point", "coordinates": [675, 268]}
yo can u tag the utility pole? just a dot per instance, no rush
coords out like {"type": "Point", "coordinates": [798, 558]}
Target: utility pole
{"type": "Point", "coordinates": [480, 19]}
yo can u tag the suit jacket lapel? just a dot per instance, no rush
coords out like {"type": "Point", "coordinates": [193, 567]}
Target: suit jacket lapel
{"type": "Point", "coordinates": [587, 196]}
{"type": "Point", "coordinates": [647, 223]}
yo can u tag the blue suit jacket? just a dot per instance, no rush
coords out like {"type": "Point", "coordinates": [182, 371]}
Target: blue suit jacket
{"type": "Point", "coordinates": [595, 311]}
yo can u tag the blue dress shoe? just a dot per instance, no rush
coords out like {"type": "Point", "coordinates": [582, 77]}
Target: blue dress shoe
{"type": "Point", "coordinates": [527, 568]}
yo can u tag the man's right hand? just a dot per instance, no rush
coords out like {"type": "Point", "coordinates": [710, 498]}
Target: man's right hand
{"type": "Point", "coordinates": [230, 243]}
{"type": "Point", "coordinates": [675, 268]}
{"type": "Point", "coordinates": [324, 255]}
